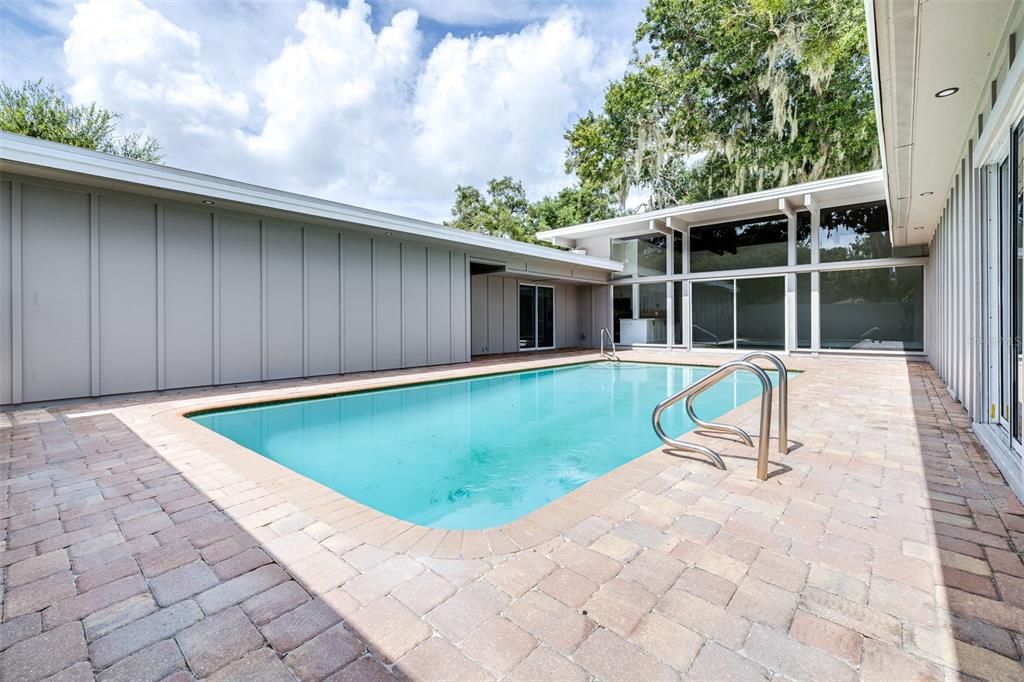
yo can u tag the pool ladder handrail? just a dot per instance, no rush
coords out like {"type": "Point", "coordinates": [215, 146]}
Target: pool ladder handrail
{"type": "Point", "coordinates": [614, 355]}
{"type": "Point", "coordinates": [693, 390]}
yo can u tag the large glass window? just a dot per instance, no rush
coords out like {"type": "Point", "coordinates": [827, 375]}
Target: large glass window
{"type": "Point", "coordinates": [755, 243]}
{"type": "Point", "coordinates": [761, 313]}
{"type": "Point", "coordinates": [677, 312]}
{"type": "Point", "coordinates": [642, 256]}
{"type": "Point", "coordinates": [857, 232]}
{"type": "Point", "coordinates": [803, 238]}
{"type": "Point", "coordinates": [536, 317]}
{"type": "Point", "coordinates": [653, 311]}
{"type": "Point", "coordinates": [876, 309]}
{"type": "Point", "coordinates": [803, 310]}
{"type": "Point", "coordinates": [712, 311]}
{"type": "Point", "coordinates": [1016, 297]}
{"type": "Point", "coordinates": [622, 308]}
{"type": "Point", "coordinates": [677, 252]}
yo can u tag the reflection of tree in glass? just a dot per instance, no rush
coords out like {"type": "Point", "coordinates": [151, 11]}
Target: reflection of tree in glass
{"type": "Point", "coordinates": [857, 232]}
{"type": "Point", "coordinates": [757, 243]}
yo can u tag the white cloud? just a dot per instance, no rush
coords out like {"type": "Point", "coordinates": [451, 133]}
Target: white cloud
{"type": "Point", "coordinates": [131, 59]}
{"type": "Point", "coordinates": [330, 105]}
{"type": "Point", "coordinates": [476, 13]}
{"type": "Point", "coordinates": [504, 102]}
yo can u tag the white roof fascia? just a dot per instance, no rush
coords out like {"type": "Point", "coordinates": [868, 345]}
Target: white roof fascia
{"type": "Point", "coordinates": [30, 151]}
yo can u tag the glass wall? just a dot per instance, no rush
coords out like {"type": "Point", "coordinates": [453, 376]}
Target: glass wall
{"type": "Point", "coordinates": [713, 324]}
{"type": "Point", "coordinates": [803, 238]}
{"type": "Point", "coordinates": [677, 312]}
{"type": "Point", "coordinates": [757, 243]}
{"type": "Point", "coordinates": [761, 313]}
{"type": "Point", "coordinates": [622, 308]}
{"type": "Point", "coordinates": [653, 312]}
{"type": "Point", "coordinates": [642, 256]}
{"type": "Point", "coordinates": [858, 309]}
{"type": "Point", "coordinates": [857, 232]}
{"type": "Point", "coordinates": [803, 310]}
{"type": "Point", "coordinates": [536, 316]}
{"type": "Point", "coordinates": [877, 309]}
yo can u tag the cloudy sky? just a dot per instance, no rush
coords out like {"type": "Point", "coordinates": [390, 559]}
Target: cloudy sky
{"type": "Point", "coordinates": [380, 103]}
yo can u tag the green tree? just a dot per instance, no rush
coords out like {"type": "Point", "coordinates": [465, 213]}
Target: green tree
{"type": "Point", "coordinates": [571, 206]}
{"type": "Point", "coordinates": [503, 209]}
{"type": "Point", "coordinates": [40, 110]}
{"type": "Point", "coordinates": [501, 213]}
{"type": "Point", "coordinates": [730, 96]}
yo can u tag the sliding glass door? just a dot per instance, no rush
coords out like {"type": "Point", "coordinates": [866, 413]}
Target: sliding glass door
{"type": "Point", "coordinates": [536, 317]}
{"type": "Point", "coordinates": [739, 313]}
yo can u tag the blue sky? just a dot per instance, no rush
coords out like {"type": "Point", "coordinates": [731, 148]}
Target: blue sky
{"type": "Point", "coordinates": [380, 103]}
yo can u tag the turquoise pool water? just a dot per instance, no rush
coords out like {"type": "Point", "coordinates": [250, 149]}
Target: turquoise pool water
{"type": "Point", "coordinates": [477, 453]}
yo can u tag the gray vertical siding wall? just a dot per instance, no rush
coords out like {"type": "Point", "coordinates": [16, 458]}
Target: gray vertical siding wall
{"type": "Point", "coordinates": [495, 314]}
{"type": "Point", "coordinates": [104, 293]}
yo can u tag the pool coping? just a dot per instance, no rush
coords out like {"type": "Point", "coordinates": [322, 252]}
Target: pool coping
{"type": "Point", "coordinates": [379, 529]}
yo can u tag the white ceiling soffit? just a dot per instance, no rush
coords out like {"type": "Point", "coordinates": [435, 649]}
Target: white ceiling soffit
{"type": "Point", "coordinates": [40, 158]}
{"type": "Point", "coordinates": [849, 189]}
{"type": "Point", "coordinates": [922, 47]}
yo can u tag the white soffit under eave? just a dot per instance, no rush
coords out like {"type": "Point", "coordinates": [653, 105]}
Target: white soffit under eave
{"type": "Point", "coordinates": [924, 47]}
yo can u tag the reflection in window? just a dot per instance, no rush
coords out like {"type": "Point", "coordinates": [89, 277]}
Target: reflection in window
{"type": "Point", "coordinates": [803, 238]}
{"type": "Point", "coordinates": [642, 256]}
{"type": "Point", "coordinates": [803, 310]}
{"type": "Point", "coordinates": [651, 327]}
{"type": "Point", "coordinates": [756, 243]}
{"type": "Point", "coordinates": [622, 308]}
{"type": "Point", "coordinates": [877, 309]}
{"type": "Point", "coordinates": [761, 313]}
{"type": "Point", "coordinates": [856, 232]}
{"type": "Point", "coordinates": [677, 252]}
{"type": "Point", "coordinates": [536, 316]}
{"type": "Point", "coordinates": [712, 310]}
{"type": "Point", "coordinates": [677, 306]}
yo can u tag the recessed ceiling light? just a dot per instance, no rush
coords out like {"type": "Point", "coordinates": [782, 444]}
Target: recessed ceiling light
{"type": "Point", "coordinates": [208, 202]}
{"type": "Point", "coordinates": [927, 194]}
{"type": "Point", "coordinates": [946, 92]}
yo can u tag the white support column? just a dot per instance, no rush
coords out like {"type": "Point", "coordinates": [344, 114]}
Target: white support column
{"type": "Point", "coordinates": [811, 203]}
{"type": "Point", "coordinates": [790, 213]}
{"type": "Point", "coordinates": [792, 340]}
{"type": "Point", "coordinates": [670, 252]}
{"type": "Point", "coordinates": [684, 231]}
{"type": "Point", "coordinates": [670, 315]}
{"type": "Point", "coordinates": [684, 308]}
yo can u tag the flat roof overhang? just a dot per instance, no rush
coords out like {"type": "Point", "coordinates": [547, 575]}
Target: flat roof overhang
{"type": "Point", "coordinates": [917, 50]}
{"type": "Point", "coordinates": [53, 161]}
{"type": "Point", "coordinates": [848, 189]}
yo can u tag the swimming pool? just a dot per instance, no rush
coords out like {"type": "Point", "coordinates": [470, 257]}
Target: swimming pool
{"type": "Point", "coordinates": [479, 452]}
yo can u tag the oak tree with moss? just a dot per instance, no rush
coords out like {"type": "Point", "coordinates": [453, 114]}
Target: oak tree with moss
{"type": "Point", "coordinates": [724, 97]}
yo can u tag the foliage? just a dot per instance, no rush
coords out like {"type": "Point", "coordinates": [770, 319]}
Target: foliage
{"type": "Point", "coordinates": [733, 96]}
{"type": "Point", "coordinates": [503, 209]}
{"type": "Point", "coordinates": [40, 110]}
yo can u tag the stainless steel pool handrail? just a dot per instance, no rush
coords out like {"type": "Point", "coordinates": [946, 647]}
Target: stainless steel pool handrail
{"type": "Point", "coordinates": [703, 384]}
{"type": "Point", "coordinates": [783, 394]}
{"type": "Point", "coordinates": [614, 354]}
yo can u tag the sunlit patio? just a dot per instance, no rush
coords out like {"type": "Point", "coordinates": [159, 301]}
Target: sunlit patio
{"type": "Point", "coordinates": [884, 545]}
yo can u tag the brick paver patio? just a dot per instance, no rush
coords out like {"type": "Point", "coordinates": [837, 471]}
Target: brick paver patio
{"type": "Point", "coordinates": [884, 546]}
